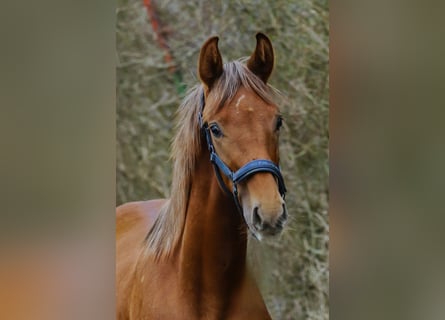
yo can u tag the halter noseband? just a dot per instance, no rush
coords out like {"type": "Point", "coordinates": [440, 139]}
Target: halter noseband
{"type": "Point", "coordinates": [247, 170]}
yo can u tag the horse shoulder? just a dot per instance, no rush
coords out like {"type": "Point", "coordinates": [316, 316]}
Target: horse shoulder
{"type": "Point", "coordinates": [137, 214]}
{"type": "Point", "coordinates": [133, 221]}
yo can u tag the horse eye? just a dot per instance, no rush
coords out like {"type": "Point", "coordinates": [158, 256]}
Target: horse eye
{"type": "Point", "coordinates": [216, 131]}
{"type": "Point", "coordinates": [279, 123]}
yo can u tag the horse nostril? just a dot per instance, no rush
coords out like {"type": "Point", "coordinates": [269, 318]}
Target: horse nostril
{"type": "Point", "coordinates": [283, 218]}
{"type": "Point", "coordinates": [256, 217]}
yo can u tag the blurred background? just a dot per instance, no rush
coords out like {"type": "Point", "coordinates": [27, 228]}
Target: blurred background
{"type": "Point", "coordinates": [158, 44]}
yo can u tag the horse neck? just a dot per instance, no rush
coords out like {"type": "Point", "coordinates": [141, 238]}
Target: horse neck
{"type": "Point", "coordinates": [213, 250]}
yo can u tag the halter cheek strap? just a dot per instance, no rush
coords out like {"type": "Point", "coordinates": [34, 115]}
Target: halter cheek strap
{"type": "Point", "coordinates": [243, 173]}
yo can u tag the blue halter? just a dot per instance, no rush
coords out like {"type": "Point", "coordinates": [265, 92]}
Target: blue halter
{"type": "Point", "coordinates": [243, 173]}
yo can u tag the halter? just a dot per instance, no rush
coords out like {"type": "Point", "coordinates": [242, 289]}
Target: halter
{"type": "Point", "coordinates": [243, 173]}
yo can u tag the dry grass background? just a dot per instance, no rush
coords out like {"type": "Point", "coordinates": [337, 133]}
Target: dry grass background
{"type": "Point", "coordinates": [294, 270]}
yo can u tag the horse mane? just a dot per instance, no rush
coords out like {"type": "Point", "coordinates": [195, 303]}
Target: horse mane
{"type": "Point", "coordinates": [166, 231]}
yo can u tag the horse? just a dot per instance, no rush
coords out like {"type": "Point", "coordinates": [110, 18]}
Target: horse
{"type": "Point", "coordinates": [185, 257]}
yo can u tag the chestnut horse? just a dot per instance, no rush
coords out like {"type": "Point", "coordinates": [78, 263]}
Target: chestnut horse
{"type": "Point", "coordinates": [185, 257]}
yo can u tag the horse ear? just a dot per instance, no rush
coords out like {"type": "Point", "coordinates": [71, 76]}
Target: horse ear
{"type": "Point", "coordinates": [210, 66]}
{"type": "Point", "coordinates": [262, 59]}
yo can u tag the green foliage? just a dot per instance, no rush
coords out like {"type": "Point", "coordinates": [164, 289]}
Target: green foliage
{"type": "Point", "coordinates": [295, 285]}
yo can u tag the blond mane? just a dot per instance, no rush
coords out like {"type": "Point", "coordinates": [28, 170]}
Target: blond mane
{"type": "Point", "coordinates": [166, 232]}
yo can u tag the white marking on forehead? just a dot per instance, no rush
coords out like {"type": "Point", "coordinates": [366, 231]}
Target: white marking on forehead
{"type": "Point", "coordinates": [239, 100]}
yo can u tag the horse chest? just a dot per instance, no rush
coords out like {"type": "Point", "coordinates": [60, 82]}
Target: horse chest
{"type": "Point", "coordinates": [175, 302]}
